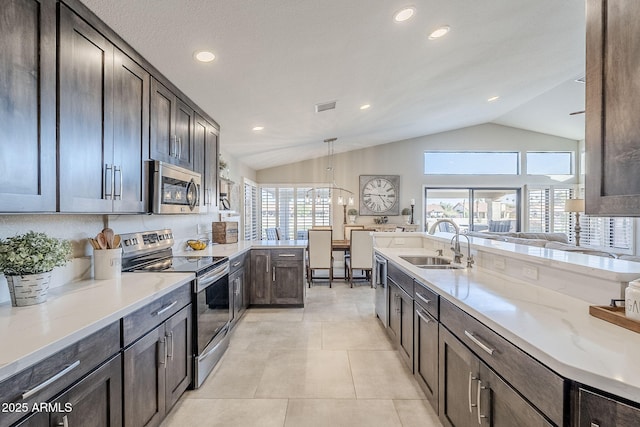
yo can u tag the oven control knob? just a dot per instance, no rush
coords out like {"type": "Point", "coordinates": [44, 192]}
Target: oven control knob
{"type": "Point", "coordinates": [127, 242]}
{"type": "Point", "coordinates": [161, 237]}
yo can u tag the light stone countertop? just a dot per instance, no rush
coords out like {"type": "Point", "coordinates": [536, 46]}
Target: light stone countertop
{"type": "Point", "coordinates": [72, 312]}
{"type": "Point", "coordinates": [555, 329]}
{"type": "Point", "coordinates": [234, 249]}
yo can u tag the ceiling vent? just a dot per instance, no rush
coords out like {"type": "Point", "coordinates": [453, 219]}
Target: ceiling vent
{"type": "Point", "coordinates": [324, 106]}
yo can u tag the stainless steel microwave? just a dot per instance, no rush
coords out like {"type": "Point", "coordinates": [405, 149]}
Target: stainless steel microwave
{"type": "Point", "coordinates": [174, 190]}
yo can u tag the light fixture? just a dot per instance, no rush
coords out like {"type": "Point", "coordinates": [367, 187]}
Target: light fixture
{"type": "Point", "coordinates": [493, 98]}
{"type": "Point", "coordinates": [258, 128]}
{"type": "Point", "coordinates": [576, 206]}
{"type": "Point", "coordinates": [439, 32]}
{"type": "Point", "coordinates": [204, 56]}
{"type": "Point", "coordinates": [404, 14]}
{"type": "Point", "coordinates": [333, 187]}
{"type": "Point", "coordinates": [365, 106]}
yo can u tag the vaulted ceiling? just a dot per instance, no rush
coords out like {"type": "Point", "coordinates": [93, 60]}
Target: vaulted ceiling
{"type": "Point", "coordinates": [276, 59]}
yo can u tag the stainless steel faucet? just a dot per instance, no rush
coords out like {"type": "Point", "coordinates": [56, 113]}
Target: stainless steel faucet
{"type": "Point", "coordinates": [455, 241]}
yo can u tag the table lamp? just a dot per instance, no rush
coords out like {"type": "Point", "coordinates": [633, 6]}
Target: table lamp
{"type": "Point", "coordinates": [577, 206]}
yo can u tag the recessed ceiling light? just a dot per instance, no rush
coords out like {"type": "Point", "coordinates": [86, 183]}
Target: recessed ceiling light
{"type": "Point", "coordinates": [404, 14]}
{"type": "Point", "coordinates": [493, 98]}
{"type": "Point", "coordinates": [204, 56]}
{"type": "Point", "coordinates": [439, 32]}
{"type": "Point", "coordinates": [258, 128]}
{"type": "Point", "coordinates": [365, 106]}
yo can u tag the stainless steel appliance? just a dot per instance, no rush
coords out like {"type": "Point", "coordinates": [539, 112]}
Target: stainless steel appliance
{"type": "Point", "coordinates": [380, 280]}
{"type": "Point", "coordinates": [173, 189]}
{"type": "Point", "coordinates": [211, 303]}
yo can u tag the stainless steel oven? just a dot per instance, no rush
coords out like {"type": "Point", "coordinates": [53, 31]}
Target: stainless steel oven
{"type": "Point", "coordinates": [173, 189]}
{"type": "Point", "coordinates": [210, 298]}
{"type": "Point", "coordinates": [380, 280]}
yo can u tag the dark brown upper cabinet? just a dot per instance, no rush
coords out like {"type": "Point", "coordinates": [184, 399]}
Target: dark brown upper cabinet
{"type": "Point", "coordinates": [205, 159]}
{"type": "Point", "coordinates": [612, 105]}
{"type": "Point", "coordinates": [28, 106]}
{"type": "Point", "coordinates": [171, 127]}
{"type": "Point", "coordinates": [103, 122]}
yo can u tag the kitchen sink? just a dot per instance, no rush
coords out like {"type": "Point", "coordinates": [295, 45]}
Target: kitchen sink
{"type": "Point", "coordinates": [431, 262]}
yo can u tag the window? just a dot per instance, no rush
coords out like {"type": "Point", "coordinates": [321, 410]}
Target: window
{"type": "Point", "coordinates": [610, 234]}
{"type": "Point", "coordinates": [471, 163]}
{"type": "Point", "coordinates": [293, 209]}
{"type": "Point", "coordinates": [250, 210]}
{"type": "Point", "coordinates": [549, 163]}
{"type": "Point", "coordinates": [474, 209]}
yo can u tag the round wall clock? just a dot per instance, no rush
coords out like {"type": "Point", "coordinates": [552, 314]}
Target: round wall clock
{"type": "Point", "coordinates": [379, 194]}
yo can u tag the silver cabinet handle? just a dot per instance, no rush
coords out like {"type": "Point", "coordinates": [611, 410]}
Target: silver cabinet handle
{"type": "Point", "coordinates": [64, 422]}
{"type": "Point", "coordinates": [287, 255]}
{"type": "Point", "coordinates": [108, 182]}
{"type": "Point", "coordinates": [422, 314]}
{"type": "Point", "coordinates": [595, 424]}
{"type": "Point", "coordinates": [274, 274]}
{"type": "Point", "coordinates": [170, 340]}
{"type": "Point", "coordinates": [163, 355]}
{"type": "Point", "coordinates": [27, 394]}
{"type": "Point", "coordinates": [480, 416]}
{"type": "Point", "coordinates": [179, 148]}
{"type": "Point", "coordinates": [479, 343]}
{"type": "Point", "coordinates": [423, 299]}
{"type": "Point", "coordinates": [471, 379]}
{"type": "Point", "coordinates": [235, 264]}
{"type": "Point", "coordinates": [173, 145]}
{"type": "Point", "coordinates": [165, 309]}
{"type": "Point", "coordinates": [117, 169]}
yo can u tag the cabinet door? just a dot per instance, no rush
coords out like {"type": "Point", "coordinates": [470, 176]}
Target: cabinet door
{"type": "Point", "coordinates": [612, 102]}
{"type": "Point", "coordinates": [98, 397]}
{"type": "Point", "coordinates": [405, 337]}
{"type": "Point", "coordinates": [260, 276]}
{"type": "Point", "coordinates": [287, 282]}
{"type": "Point", "coordinates": [595, 410]}
{"type": "Point", "coordinates": [393, 312]}
{"type": "Point", "coordinates": [183, 125]}
{"type": "Point", "coordinates": [205, 159]}
{"type": "Point", "coordinates": [459, 373]}
{"type": "Point", "coordinates": [131, 134]}
{"type": "Point", "coordinates": [28, 107]}
{"type": "Point", "coordinates": [500, 406]}
{"type": "Point", "coordinates": [426, 353]}
{"type": "Point", "coordinates": [86, 117]}
{"type": "Point", "coordinates": [163, 145]}
{"type": "Point", "coordinates": [179, 355]}
{"type": "Point", "coordinates": [144, 380]}
{"type": "Point", "coordinates": [236, 291]}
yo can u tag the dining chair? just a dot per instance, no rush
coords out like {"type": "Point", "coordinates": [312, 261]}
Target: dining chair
{"type": "Point", "coordinates": [361, 249]}
{"type": "Point", "coordinates": [322, 227]}
{"type": "Point", "coordinates": [279, 233]}
{"type": "Point", "coordinates": [272, 233]}
{"type": "Point", "coordinates": [348, 228]}
{"type": "Point", "coordinates": [302, 235]}
{"type": "Point", "coordinates": [319, 253]}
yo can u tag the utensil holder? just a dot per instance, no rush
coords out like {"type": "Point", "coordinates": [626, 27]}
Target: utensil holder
{"type": "Point", "coordinates": [107, 264]}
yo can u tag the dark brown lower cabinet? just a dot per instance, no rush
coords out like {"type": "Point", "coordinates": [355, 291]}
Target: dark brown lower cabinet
{"type": "Point", "coordinates": [157, 370]}
{"type": "Point", "coordinates": [471, 394]}
{"type": "Point", "coordinates": [401, 322]}
{"type": "Point", "coordinates": [595, 410]}
{"type": "Point", "coordinates": [425, 358]}
{"type": "Point", "coordinates": [96, 400]}
{"type": "Point", "coordinates": [277, 277]}
{"type": "Point", "coordinates": [287, 286]}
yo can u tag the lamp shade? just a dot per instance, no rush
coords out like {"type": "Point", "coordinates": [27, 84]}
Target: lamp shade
{"type": "Point", "coordinates": [574, 205]}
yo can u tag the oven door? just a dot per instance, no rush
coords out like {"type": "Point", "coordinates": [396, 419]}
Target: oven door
{"type": "Point", "coordinates": [174, 189]}
{"type": "Point", "coordinates": [213, 307]}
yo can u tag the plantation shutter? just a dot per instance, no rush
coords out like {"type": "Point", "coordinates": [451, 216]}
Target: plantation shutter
{"type": "Point", "coordinates": [250, 211]}
{"type": "Point", "coordinates": [538, 205]}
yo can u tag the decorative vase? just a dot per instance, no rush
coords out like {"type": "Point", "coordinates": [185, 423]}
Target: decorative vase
{"type": "Point", "coordinates": [407, 219]}
{"type": "Point", "coordinates": [352, 219]}
{"type": "Point", "coordinates": [28, 289]}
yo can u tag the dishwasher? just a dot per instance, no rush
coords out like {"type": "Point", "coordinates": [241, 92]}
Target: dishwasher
{"type": "Point", "coordinates": [380, 280]}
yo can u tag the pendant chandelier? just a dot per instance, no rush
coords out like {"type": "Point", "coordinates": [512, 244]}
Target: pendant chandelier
{"type": "Point", "coordinates": [344, 196]}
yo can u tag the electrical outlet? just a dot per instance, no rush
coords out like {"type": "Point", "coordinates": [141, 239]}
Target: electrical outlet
{"type": "Point", "coordinates": [530, 272]}
{"type": "Point", "coordinates": [398, 241]}
{"type": "Point", "coordinates": [499, 263]}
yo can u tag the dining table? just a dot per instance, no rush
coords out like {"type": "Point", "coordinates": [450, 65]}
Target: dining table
{"type": "Point", "coordinates": [342, 245]}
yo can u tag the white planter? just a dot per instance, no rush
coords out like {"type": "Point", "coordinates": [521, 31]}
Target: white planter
{"type": "Point", "coordinates": [29, 289]}
{"type": "Point", "coordinates": [352, 219]}
{"type": "Point", "coordinates": [407, 219]}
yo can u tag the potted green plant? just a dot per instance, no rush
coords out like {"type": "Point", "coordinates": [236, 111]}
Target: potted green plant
{"type": "Point", "coordinates": [352, 215]}
{"type": "Point", "coordinates": [27, 261]}
{"type": "Point", "coordinates": [407, 215]}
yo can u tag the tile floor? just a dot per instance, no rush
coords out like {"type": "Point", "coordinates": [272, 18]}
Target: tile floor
{"type": "Point", "coordinates": [328, 364]}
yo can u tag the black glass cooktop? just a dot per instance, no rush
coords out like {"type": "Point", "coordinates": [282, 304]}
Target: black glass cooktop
{"type": "Point", "coordinates": [182, 264]}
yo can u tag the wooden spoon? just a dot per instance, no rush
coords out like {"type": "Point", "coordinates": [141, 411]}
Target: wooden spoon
{"type": "Point", "coordinates": [116, 241]}
{"type": "Point", "coordinates": [94, 243]}
{"type": "Point", "coordinates": [108, 235]}
{"type": "Point", "coordinates": [102, 241]}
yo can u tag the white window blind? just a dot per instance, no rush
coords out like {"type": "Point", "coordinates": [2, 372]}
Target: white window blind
{"type": "Point", "coordinates": [538, 216]}
{"type": "Point", "coordinates": [546, 211]}
{"type": "Point", "coordinates": [609, 234]}
{"type": "Point", "coordinates": [250, 211]}
{"type": "Point", "coordinates": [268, 210]}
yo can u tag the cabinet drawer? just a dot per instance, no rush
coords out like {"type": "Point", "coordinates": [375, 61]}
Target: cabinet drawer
{"type": "Point", "coordinates": [595, 410]}
{"type": "Point", "coordinates": [537, 383]}
{"type": "Point", "coordinates": [290, 254]}
{"type": "Point", "coordinates": [148, 317]}
{"type": "Point", "coordinates": [47, 378]}
{"type": "Point", "coordinates": [237, 263]}
{"type": "Point", "coordinates": [427, 299]}
{"type": "Point", "coordinates": [402, 279]}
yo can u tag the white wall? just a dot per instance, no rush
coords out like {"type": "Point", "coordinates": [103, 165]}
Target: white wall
{"type": "Point", "coordinates": [405, 158]}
